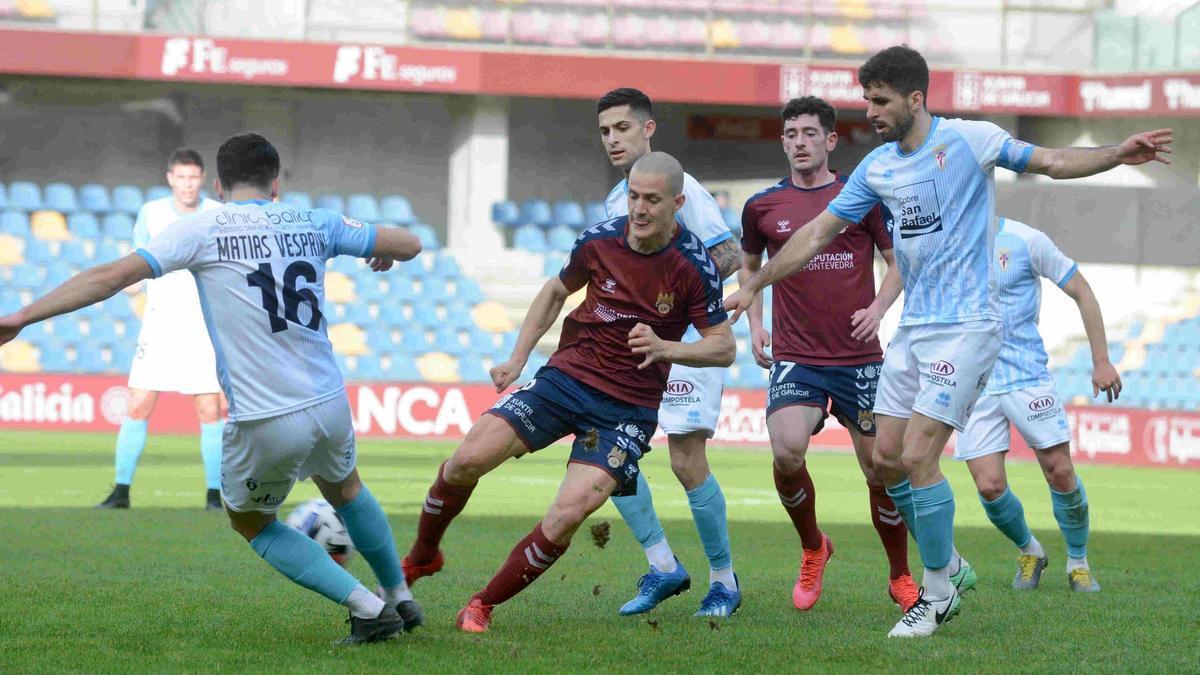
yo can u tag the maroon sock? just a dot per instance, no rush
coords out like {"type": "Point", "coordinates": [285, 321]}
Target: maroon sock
{"type": "Point", "coordinates": [532, 555]}
{"type": "Point", "coordinates": [443, 503]}
{"type": "Point", "coordinates": [890, 526]}
{"type": "Point", "coordinates": [800, 501]}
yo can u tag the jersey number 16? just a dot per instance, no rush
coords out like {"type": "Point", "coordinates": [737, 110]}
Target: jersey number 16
{"type": "Point", "coordinates": [264, 280]}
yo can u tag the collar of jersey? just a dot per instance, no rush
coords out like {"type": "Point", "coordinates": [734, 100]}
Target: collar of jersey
{"type": "Point", "coordinates": [812, 189]}
{"type": "Point", "coordinates": [670, 244]}
{"type": "Point", "coordinates": [257, 202]}
{"type": "Point", "coordinates": [932, 128]}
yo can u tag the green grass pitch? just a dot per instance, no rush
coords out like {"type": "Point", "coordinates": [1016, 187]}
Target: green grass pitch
{"type": "Point", "coordinates": [167, 587]}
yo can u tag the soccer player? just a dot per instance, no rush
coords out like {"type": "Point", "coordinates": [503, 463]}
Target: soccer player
{"type": "Point", "coordinates": [1021, 392]}
{"type": "Point", "coordinates": [689, 420]}
{"type": "Point", "coordinates": [825, 350]}
{"type": "Point", "coordinates": [647, 279]}
{"type": "Point", "coordinates": [173, 349]}
{"type": "Point", "coordinates": [935, 175]}
{"type": "Point", "coordinates": [259, 269]}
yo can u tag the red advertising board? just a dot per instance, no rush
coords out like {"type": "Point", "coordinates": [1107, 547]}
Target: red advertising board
{"type": "Point", "coordinates": [436, 411]}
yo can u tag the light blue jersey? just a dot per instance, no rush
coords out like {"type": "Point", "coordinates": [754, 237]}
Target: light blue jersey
{"type": "Point", "coordinates": [700, 213]}
{"type": "Point", "coordinates": [1023, 256]}
{"type": "Point", "coordinates": [943, 199]}
{"type": "Point", "coordinates": [260, 271]}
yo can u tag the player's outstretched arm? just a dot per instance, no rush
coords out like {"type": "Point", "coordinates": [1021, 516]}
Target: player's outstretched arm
{"type": "Point", "coordinates": [760, 337]}
{"type": "Point", "coordinates": [795, 254]}
{"type": "Point", "coordinates": [865, 322]}
{"type": "Point", "coordinates": [715, 348]}
{"type": "Point", "coordinates": [1105, 377]}
{"type": "Point", "coordinates": [1148, 146]}
{"type": "Point", "coordinates": [86, 288]}
{"type": "Point", "coordinates": [541, 316]}
{"type": "Point", "coordinates": [392, 244]}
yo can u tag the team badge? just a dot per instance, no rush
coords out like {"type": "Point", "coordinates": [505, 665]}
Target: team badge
{"type": "Point", "coordinates": [251, 484]}
{"type": "Point", "coordinates": [616, 457]}
{"type": "Point", "coordinates": [665, 303]}
{"type": "Point", "coordinates": [866, 420]}
{"type": "Point", "coordinates": [350, 222]}
{"type": "Point", "coordinates": [1004, 260]}
{"type": "Point", "coordinates": [939, 155]}
{"type": "Point", "coordinates": [610, 285]}
{"type": "Point", "coordinates": [785, 226]}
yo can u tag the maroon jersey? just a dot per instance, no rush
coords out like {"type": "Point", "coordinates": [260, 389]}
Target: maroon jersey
{"type": "Point", "coordinates": [666, 290]}
{"type": "Point", "coordinates": [812, 308]}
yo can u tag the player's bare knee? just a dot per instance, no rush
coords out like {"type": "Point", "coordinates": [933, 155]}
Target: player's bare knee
{"type": "Point", "coordinates": [991, 487]}
{"type": "Point", "coordinates": [208, 408]}
{"type": "Point", "coordinates": [141, 404]}
{"type": "Point", "coordinates": [787, 460]}
{"type": "Point", "coordinates": [1060, 473]}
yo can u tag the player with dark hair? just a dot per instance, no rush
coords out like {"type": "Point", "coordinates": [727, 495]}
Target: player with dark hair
{"type": "Point", "coordinates": [646, 280]}
{"type": "Point", "coordinates": [259, 267]}
{"type": "Point", "coordinates": [935, 175]}
{"type": "Point", "coordinates": [825, 353]}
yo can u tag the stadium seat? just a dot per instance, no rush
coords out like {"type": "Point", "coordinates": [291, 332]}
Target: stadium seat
{"type": "Point", "coordinates": [391, 313]}
{"type": "Point", "coordinates": [52, 355]}
{"type": "Point", "coordinates": [733, 220]}
{"type": "Point", "coordinates": [49, 226]}
{"type": "Point", "coordinates": [127, 199]}
{"type": "Point", "coordinates": [561, 239]}
{"type": "Point", "coordinates": [107, 251]}
{"type": "Point", "coordinates": [162, 192]}
{"type": "Point", "coordinates": [368, 367]}
{"type": "Point", "coordinates": [60, 197]}
{"type": "Point", "coordinates": [348, 339]}
{"type": "Point", "coordinates": [396, 209]}
{"type": "Point", "coordinates": [446, 267]}
{"type": "Point", "coordinates": [339, 288]}
{"type": "Point", "coordinates": [482, 342]}
{"type": "Point", "coordinates": [90, 360]}
{"type": "Point", "coordinates": [412, 340]}
{"type": "Point", "coordinates": [28, 276]}
{"type": "Point", "coordinates": [469, 293]}
{"type": "Point", "coordinates": [371, 291]}
{"type": "Point", "coordinates": [38, 251]}
{"type": "Point", "coordinates": [12, 250]}
{"type": "Point", "coordinates": [491, 316]}
{"type": "Point", "coordinates": [10, 301]}
{"type": "Point", "coordinates": [363, 207]}
{"type": "Point", "coordinates": [73, 253]}
{"type": "Point", "coordinates": [529, 238]}
{"type": "Point", "coordinates": [425, 316]}
{"type": "Point", "coordinates": [445, 339]}
{"type": "Point", "coordinates": [19, 356]}
{"type": "Point", "coordinates": [552, 264]}
{"type": "Point", "coordinates": [536, 212]}
{"type": "Point", "coordinates": [102, 332]}
{"type": "Point", "coordinates": [595, 213]}
{"type": "Point", "coordinates": [400, 288]}
{"type": "Point", "coordinates": [457, 319]}
{"type": "Point", "coordinates": [433, 289]}
{"type": "Point", "coordinates": [536, 361]}
{"type": "Point", "coordinates": [297, 199]}
{"type": "Point", "coordinates": [438, 367]}
{"type": "Point", "coordinates": [15, 223]}
{"type": "Point", "coordinates": [402, 369]}
{"type": "Point", "coordinates": [568, 214]}
{"type": "Point", "coordinates": [24, 196]}
{"type": "Point", "coordinates": [83, 225]}
{"type": "Point", "coordinates": [358, 314]}
{"type": "Point", "coordinates": [94, 198]}
{"type": "Point", "coordinates": [119, 308]}
{"type": "Point", "coordinates": [471, 369]}
{"type": "Point", "coordinates": [506, 214]}
{"type": "Point", "coordinates": [379, 339]}
{"type": "Point", "coordinates": [429, 238]}
{"type": "Point", "coordinates": [331, 202]}
{"type": "Point", "coordinates": [118, 226]}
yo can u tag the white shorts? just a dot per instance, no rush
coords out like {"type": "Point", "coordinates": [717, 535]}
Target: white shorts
{"type": "Point", "coordinates": [1036, 411]}
{"type": "Point", "coordinates": [938, 370]}
{"type": "Point", "coordinates": [262, 459]}
{"type": "Point", "coordinates": [692, 401]}
{"type": "Point", "coordinates": [174, 353]}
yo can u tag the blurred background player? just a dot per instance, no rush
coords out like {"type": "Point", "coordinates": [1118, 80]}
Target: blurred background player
{"type": "Point", "coordinates": [1021, 391]}
{"type": "Point", "coordinates": [260, 267]}
{"type": "Point", "coordinates": [626, 125]}
{"type": "Point", "coordinates": [647, 280]}
{"type": "Point", "coordinates": [173, 349]}
{"type": "Point", "coordinates": [935, 176]}
{"type": "Point", "coordinates": [826, 351]}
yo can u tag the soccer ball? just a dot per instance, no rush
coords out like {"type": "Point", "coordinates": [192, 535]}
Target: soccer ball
{"type": "Point", "coordinates": [317, 519]}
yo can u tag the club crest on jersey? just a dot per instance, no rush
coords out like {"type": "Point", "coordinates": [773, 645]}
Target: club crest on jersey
{"type": "Point", "coordinates": [866, 420]}
{"type": "Point", "coordinates": [1004, 259]}
{"type": "Point", "coordinates": [939, 156]}
{"type": "Point", "coordinates": [665, 303]}
{"type": "Point", "coordinates": [616, 457]}
{"type": "Point", "coordinates": [610, 285]}
{"type": "Point", "coordinates": [785, 226]}
{"type": "Point", "coordinates": [350, 222]}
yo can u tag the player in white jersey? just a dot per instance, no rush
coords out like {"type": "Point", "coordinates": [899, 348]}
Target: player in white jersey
{"type": "Point", "coordinates": [692, 404]}
{"type": "Point", "coordinates": [173, 350]}
{"type": "Point", "coordinates": [259, 267]}
{"type": "Point", "coordinates": [935, 176]}
{"type": "Point", "coordinates": [1021, 392]}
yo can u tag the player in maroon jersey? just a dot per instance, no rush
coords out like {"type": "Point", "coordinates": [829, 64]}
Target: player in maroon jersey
{"type": "Point", "coordinates": [825, 352]}
{"type": "Point", "coordinates": [647, 280]}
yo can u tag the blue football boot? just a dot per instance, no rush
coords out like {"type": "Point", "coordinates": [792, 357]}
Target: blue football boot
{"type": "Point", "coordinates": [654, 587]}
{"type": "Point", "coordinates": [721, 601]}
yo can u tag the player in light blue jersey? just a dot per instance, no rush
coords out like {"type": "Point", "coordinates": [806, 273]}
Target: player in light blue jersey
{"type": "Point", "coordinates": [259, 268]}
{"type": "Point", "coordinates": [692, 403]}
{"type": "Point", "coordinates": [935, 176]}
{"type": "Point", "coordinates": [1021, 392]}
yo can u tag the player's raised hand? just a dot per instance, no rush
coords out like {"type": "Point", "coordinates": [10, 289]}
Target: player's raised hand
{"type": "Point", "coordinates": [738, 304]}
{"type": "Point", "coordinates": [1147, 146]}
{"type": "Point", "coordinates": [760, 340]}
{"type": "Point", "coordinates": [381, 264]}
{"type": "Point", "coordinates": [1105, 378]}
{"type": "Point", "coordinates": [505, 374]}
{"type": "Point", "coordinates": [642, 340]}
{"type": "Point", "coordinates": [10, 326]}
{"type": "Point", "coordinates": [865, 323]}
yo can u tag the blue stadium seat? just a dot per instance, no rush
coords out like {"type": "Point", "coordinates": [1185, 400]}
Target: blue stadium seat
{"type": "Point", "coordinates": [118, 226]}
{"type": "Point", "coordinates": [297, 198]}
{"type": "Point", "coordinates": [334, 203]}
{"type": "Point", "coordinates": [60, 197]}
{"type": "Point", "coordinates": [369, 368]}
{"type": "Point", "coordinates": [94, 198]}
{"type": "Point", "coordinates": [90, 360]}
{"type": "Point", "coordinates": [67, 330]}
{"type": "Point", "coordinates": [379, 339]}
{"type": "Point", "coordinates": [391, 314]}
{"type": "Point", "coordinates": [446, 267]}
{"type": "Point", "coordinates": [10, 301]}
{"type": "Point", "coordinates": [83, 225]}
{"type": "Point", "coordinates": [370, 291]}
{"type": "Point", "coordinates": [38, 251]}
{"type": "Point", "coordinates": [73, 253]}
{"type": "Point", "coordinates": [127, 199]}
{"type": "Point", "coordinates": [529, 238]}
{"type": "Point", "coordinates": [468, 292]}
{"type": "Point", "coordinates": [162, 191]}
{"type": "Point", "coordinates": [553, 263]}
{"type": "Point", "coordinates": [471, 370]}
{"type": "Point", "coordinates": [482, 342]}
{"type": "Point", "coordinates": [429, 238]}
{"type": "Point", "coordinates": [412, 340]}
{"type": "Point", "coordinates": [506, 214]}
{"type": "Point", "coordinates": [362, 207]}
{"type": "Point", "coordinates": [536, 361]}
{"type": "Point", "coordinates": [561, 238]}
{"type": "Point", "coordinates": [53, 357]}
{"type": "Point", "coordinates": [458, 319]}
{"type": "Point", "coordinates": [403, 369]}
{"type": "Point", "coordinates": [15, 223]}
{"type": "Point", "coordinates": [445, 339]}
{"type": "Point", "coordinates": [358, 314]}
{"type": "Point", "coordinates": [24, 196]}
{"type": "Point", "coordinates": [103, 332]}
{"type": "Point", "coordinates": [595, 213]}
{"type": "Point", "coordinates": [400, 288]}
{"type": "Point", "coordinates": [120, 308]}
{"type": "Point", "coordinates": [434, 289]}
{"type": "Point", "coordinates": [396, 209]}
{"type": "Point", "coordinates": [537, 212]}
{"type": "Point", "coordinates": [568, 214]}
{"type": "Point", "coordinates": [424, 315]}
{"type": "Point", "coordinates": [507, 342]}
{"type": "Point", "coordinates": [106, 252]}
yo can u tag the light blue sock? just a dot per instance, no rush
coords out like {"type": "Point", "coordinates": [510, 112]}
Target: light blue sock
{"type": "Point", "coordinates": [639, 515]}
{"type": "Point", "coordinates": [934, 506]}
{"type": "Point", "coordinates": [372, 535]}
{"type": "Point", "coordinates": [303, 561]}
{"type": "Point", "coordinates": [1007, 514]}
{"type": "Point", "coordinates": [210, 453]}
{"type": "Point", "coordinates": [708, 510]}
{"type": "Point", "coordinates": [131, 440]}
{"type": "Point", "coordinates": [1071, 512]}
{"type": "Point", "coordinates": [901, 494]}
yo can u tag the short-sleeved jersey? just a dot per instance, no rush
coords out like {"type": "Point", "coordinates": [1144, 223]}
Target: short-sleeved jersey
{"type": "Point", "coordinates": [260, 271]}
{"type": "Point", "coordinates": [812, 310]}
{"type": "Point", "coordinates": [943, 199]}
{"type": "Point", "coordinates": [173, 293]}
{"type": "Point", "coordinates": [667, 290]}
{"type": "Point", "coordinates": [700, 212]}
{"type": "Point", "coordinates": [1023, 256]}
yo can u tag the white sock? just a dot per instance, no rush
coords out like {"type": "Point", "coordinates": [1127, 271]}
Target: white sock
{"type": "Point", "coordinates": [661, 557]}
{"type": "Point", "coordinates": [363, 603]}
{"type": "Point", "coordinates": [395, 594]}
{"type": "Point", "coordinates": [956, 562]}
{"type": "Point", "coordinates": [1076, 563]}
{"type": "Point", "coordinates": [724, 576]}
{"type": "Point", "coordinates": [1034, 548]}
{"type": "Point", "coordinates": [937, 583]}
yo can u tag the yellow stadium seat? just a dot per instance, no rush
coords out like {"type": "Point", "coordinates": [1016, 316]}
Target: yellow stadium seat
{"type": "Point", "coordinates": [463, 24]}
{"type": "Point", "coordinates": [490, 316]}
{"type": "Point", "coordinates": [49, 226]}
{"type": "Point", "coordinates": [1134, 358]}
{"type": "Point", "coordinates": [339, 288]}
{"type": "Point", "coordinates": [348, 339]}
{"type": "Point", "coordinates": [438, 367]}
{"type": "Point", "coordinates": [35, 9]}
{"type": "Point", "coordinates": [846, 40]}
{"type": "Point", "coordinates": [19, 356]}
{"type": "Point", "coordinates": [722, 34]}
{"type": "Point", "coordinates": [12, 250]}
{"type": "Point", "coordinates": [857, 10]}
